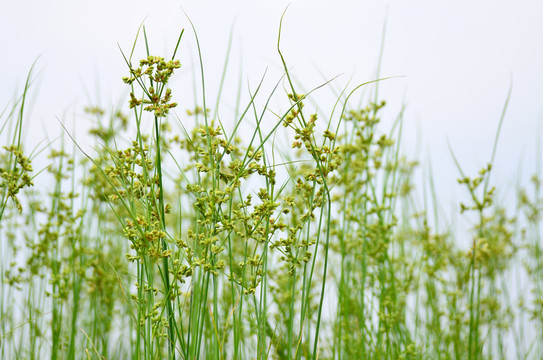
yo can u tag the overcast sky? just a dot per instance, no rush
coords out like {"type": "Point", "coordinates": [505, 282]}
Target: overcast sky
{"type": "Point", "coordinates": [457, 60]}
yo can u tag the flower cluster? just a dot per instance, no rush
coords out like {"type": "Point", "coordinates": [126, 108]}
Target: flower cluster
{"type": "Point", "coordinates": [15, 175]}
{"type": "Point", "coordinates": [159, 71]}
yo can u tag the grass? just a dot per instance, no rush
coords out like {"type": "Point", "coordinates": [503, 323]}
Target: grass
{"type": "Point", "coordinates": [282, 234]}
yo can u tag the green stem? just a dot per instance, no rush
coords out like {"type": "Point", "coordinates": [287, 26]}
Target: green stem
{"type": "Point", "coordinates": [166, 274]}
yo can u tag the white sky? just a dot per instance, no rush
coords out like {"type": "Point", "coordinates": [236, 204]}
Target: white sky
{"type": "Point", "coordinates": [457, 59]}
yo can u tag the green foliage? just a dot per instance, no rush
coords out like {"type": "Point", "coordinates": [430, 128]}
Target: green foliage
{"type": "Point", "coordinates": [198, 243]}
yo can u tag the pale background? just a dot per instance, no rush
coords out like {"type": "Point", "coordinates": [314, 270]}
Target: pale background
{"type": "Point", "coordinates": [457, 60]}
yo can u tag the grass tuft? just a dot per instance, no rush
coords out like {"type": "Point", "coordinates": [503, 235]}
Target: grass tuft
{"type": "Point", "coordinates": [268, 233]}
